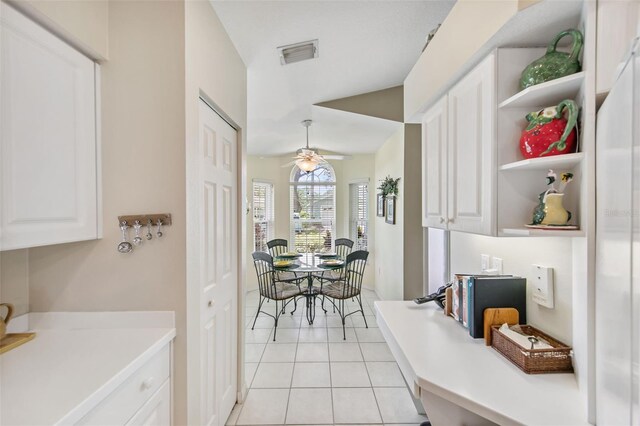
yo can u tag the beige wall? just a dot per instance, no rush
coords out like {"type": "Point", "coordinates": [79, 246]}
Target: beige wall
{"type": "Point", "coordinates": [413, 285]}
{"type": "Point", "coordinates": [84, 23]}
{"type": "Point", "coordinates": [215, 71]}
{"type": "Point", "coordinates": [14, 280]}
{"type": "Point", "coordinates": [269, 169]}
{"type": "Point", "coordinates": [518, 255]}
{"type": "Point", "coordinates": [389, 270]}
{"type": "Point", "coordinates": [143, 169]}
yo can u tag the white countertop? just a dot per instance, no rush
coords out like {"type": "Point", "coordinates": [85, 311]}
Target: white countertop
{"type": "Point", "coordinates": [75, 361]}
{"type": "Point", "coordinates": [438, 355]}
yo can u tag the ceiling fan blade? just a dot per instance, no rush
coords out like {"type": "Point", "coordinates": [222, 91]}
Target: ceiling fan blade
{"type": "Point", "coordinates": [337, 157]}
{"type": "Point", "coordinates": [289, 164]}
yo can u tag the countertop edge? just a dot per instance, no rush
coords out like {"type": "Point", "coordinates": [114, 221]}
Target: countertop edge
{"type": "Point", "coordinates": [89, 403]}
{"type": "Point", "coordinates": [447, 394]}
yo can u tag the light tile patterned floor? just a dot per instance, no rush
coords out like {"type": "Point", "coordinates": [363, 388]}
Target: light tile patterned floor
{"type": "Point", "coordinates": [311, 376]}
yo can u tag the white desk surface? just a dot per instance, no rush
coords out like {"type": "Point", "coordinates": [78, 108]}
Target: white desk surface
{"type": "Point", "coordinates": [438, 355]}
{"type": "Point", "coordinates": [61, 374]}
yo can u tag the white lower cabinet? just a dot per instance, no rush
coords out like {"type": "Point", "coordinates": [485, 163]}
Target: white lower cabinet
{"type": "Point", "coordinates": [157, 410]}
{"type": "Point", "coordinates": [458, 146]}
{"type": "Point", "coordinates": [143, 399]}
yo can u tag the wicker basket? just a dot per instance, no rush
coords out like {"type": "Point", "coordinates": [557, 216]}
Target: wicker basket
{"type": "Point", "coordinates": [533, 361]}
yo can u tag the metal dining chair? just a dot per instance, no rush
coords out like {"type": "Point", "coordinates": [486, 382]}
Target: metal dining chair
{"type": "Point", "coordinates": [270, 289]}
{"type": "Point", "coordinates": [350, 287]}
{"type": "Point", "coordinates": [277, 247]}
{"type": "Point", "coordinates": [343, 247]}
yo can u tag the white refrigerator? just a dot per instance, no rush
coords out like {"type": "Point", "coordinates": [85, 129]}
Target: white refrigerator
{"type": "Point", "coordinates": [618, 249]}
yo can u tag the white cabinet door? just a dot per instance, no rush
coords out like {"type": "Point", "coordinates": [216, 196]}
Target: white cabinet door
{"type": "Point", "coordinates": [434, 166]}
{"type": "Point", "coordinates": [47, 137]}
{"type": "Point", "coordinates": [157, 410]}
{"type": "Point", "coordinates": [471, 154]}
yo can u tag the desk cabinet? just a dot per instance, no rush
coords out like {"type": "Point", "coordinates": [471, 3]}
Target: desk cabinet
{"type": "Point", "coordinates": [48, 137]}
{"type": "Point", "coordinates": [459, 155]}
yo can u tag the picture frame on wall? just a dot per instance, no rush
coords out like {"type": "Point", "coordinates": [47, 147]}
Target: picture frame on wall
{"type": "Point", "coordinates": [380, 205]}
{"type": "Point", "coordinates": [390, 213]}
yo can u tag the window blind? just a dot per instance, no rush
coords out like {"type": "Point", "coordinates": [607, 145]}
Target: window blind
{"type": "Point", "coordinates": [263, 215]}
{"type": "Point", "coordinates": [313, 210]}
{"type": "Point", "coordinates": [359, 215]}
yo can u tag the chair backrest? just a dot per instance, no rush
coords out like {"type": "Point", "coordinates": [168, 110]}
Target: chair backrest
{"type": "Point", "coordinates": [356, 263]}
{"type": "Point", "coordinates": [343, 247]}
{"type": "Point", "coordinates": [278, 246]}
{"type": "Point", "coordinates": [263, 263]}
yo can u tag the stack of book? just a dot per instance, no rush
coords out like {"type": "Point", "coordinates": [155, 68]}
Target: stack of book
{"type": "Point", "coordinates": [472, 294]}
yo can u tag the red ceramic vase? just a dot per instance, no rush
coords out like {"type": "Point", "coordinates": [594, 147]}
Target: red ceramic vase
{"type": "Point", "coordinates": [549, 133]}
{"type": "Point", "coordinates": [534, 142]}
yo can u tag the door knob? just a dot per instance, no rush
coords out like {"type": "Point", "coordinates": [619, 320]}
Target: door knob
{"type": "Point", "coordinates": [450, 220]}
{"type": "Point", "coordinates": [210, 303]}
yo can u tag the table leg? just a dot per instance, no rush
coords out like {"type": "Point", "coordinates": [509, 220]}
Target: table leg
{"type": "Point", "coordinates": [311, 299]}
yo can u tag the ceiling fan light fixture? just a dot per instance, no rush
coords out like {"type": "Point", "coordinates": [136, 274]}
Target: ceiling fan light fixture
{"type": "Point", "coordinates": [298, 52]}
{"type": "Point", "coordinates": [307, 164]}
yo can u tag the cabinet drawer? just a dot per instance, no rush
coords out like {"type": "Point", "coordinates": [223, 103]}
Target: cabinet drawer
{"type": "Point", "coordinates": [131, 395]}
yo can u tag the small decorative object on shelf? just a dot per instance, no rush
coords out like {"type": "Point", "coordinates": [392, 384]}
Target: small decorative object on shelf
{"type": "Point", "coordinates": [549, 133]}
{"type": "Point", "coordinates": [554, 64]}
{"type": "Point", "coordinates": [550, 212]}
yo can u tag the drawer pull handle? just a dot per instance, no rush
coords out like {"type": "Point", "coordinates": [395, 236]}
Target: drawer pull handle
{"type": "Point", "coordinates": [147, 384]}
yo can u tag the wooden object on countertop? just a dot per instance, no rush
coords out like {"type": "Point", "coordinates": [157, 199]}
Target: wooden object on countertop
{"type": "Point", "coordinates": [448, 299]}
{"type": "Point", "coordinates": [498, 316]}
{"type": "Point", "coordinates": [144, 219]}
{"type": "Point", "coordinates": [13, 340]}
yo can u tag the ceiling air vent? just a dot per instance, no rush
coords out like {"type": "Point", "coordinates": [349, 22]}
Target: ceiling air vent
{"type": "Point", "coordinates": [298, 52]}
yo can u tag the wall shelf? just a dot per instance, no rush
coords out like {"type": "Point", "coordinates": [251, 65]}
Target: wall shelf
{"type": "Point", "coordinates": [527, 232]}
{"type": "Point", "coordinates": [566, 161]}
{"type": "Point", "coordinates": [546, 94]}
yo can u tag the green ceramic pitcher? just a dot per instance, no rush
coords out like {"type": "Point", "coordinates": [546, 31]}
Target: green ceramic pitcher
{"type": "Point", "coordinates": [554, 64]}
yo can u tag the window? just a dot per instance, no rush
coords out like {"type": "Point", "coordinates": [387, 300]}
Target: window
{"type": "Point", "coordinates": [359, 214]}
{"type": "Point", "coordinates": [313, 208]}
{"type": "Point", "coordinates": [263, 215]}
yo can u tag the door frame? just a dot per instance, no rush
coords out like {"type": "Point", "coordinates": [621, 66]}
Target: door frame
{"type": "Point", "coordinates": [192, 247]}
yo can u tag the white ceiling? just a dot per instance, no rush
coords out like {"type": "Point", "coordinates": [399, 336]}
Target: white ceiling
{"type": "Point", "coordinates": [364, 46]}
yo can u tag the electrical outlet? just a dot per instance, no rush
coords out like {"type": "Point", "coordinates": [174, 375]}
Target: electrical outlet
{"type": "Point", "coordinates": [485, 259]}
{"type": "Point", "coordinates": [542, 285]}
{"type": "Point", "coordinates": [496, 264]}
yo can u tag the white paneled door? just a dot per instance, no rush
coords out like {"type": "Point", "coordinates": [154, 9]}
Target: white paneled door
{"type": "Point", "coordinates": [218, 267]}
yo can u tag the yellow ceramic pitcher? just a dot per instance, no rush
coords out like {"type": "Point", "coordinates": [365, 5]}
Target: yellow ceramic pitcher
{"type": "Point", "coordinates": [554, 211]}
{"type": "Point", "coordinates": [4, 321]}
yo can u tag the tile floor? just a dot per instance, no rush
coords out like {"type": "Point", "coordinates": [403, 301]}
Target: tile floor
{"type": "Point", "coordinates": [311, 376]}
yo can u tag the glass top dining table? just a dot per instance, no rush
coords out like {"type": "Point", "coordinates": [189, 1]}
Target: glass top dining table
{"type": "Point", "coordinates": [310, 263]}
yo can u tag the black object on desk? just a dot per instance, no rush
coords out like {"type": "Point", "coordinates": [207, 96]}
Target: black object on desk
{"type": "Point", "coordinates": [494, 292]}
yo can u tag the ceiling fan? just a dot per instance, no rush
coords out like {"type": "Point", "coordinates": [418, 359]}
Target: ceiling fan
{"type": "Point", "coordinates": [308, 159]}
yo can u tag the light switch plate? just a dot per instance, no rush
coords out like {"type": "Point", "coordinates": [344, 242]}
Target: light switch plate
{"type": "Point", "coordinates": [496, 264]}
{"type": "Point", "coordinates": [485, 260]}
{"type": "Point", "coordinates": [542, 285]}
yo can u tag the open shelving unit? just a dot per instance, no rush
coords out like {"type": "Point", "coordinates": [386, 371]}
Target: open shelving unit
{"type": "Point", "coordinates": [520, 181]}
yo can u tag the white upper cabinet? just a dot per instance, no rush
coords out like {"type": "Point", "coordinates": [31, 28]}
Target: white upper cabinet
{"type": "Point", "coordinates": [48, 146]}
{"type": "Point", "coordinates": [471, 162]}
{"type": "Point", "coordinates": [434, 165]}
{"type": "Point", "coordinates": [459, 165]}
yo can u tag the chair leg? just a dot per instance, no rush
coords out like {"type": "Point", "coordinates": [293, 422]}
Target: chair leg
{"type": "Point", "coordinates": [257, 313]}
{"type": "Point", "coordinates": [359, 298]}
{"type": "Point", "coordinates": [344, 331]}
{"type": "Point", "coordinates": [275, 327]}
